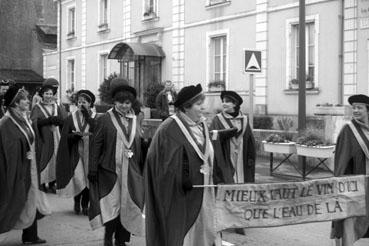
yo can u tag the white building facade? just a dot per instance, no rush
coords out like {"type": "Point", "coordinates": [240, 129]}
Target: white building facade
{"type": "Point", "coordinates": [202, 41]}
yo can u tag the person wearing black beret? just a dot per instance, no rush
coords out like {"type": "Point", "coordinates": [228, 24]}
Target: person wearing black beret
{"type": "Point", "coordinates": [239, 151]}
{"type": "Point", "coordinates": [236, 155]}
{"type": "Point", "coordinates": [22, 202]}
{"type": "Point", "coordinates": [49, 118]}
{"type": "Point", "coordinates": [180, 156]}
{"type": "Point", "coordinates": [116, 170]}
{"type": "Point", "coordinates": [352, 158]}
{"type": "Point", "coordinates": [73, 153]}
{"type": "Point", "coordinates": [136, 105]}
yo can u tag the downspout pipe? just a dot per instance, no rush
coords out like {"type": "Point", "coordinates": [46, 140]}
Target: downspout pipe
{"type": "Point", "coordinates": [340, 54]}
{"type": "Point", "coordinates": [59, 49]}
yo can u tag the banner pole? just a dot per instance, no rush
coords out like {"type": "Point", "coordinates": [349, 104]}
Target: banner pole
{"type": "Point", "coordinates": [203, 186]}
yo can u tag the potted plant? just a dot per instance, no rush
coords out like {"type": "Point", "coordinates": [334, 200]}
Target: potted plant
{"type": "Point", "coordinates": [149, 13]}
{"type": "Point", "coordinates": [216, 85]}
{"type": "Point", "coordinates": [278, 143]}
{"type": "Point", "coordinates": [294, 84]}
{"type": "Point", "coordinates": [309, 82]}
{"type": "Point", "coordinates": [150, 94]}
{"type": "Point", "coordinates": [311, 144]}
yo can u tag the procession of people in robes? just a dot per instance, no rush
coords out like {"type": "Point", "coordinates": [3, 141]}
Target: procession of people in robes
{"type": "Point", "coordinates": [164, 190]}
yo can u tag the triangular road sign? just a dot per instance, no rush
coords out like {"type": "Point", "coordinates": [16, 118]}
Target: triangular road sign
{"type": "Point", "coordinates": [252, 61]}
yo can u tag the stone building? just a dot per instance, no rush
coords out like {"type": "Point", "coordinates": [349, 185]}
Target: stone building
{"type": "Point", "coordinates": [28, 28]}
{"type": "Point", "coordinates": [203, 42]}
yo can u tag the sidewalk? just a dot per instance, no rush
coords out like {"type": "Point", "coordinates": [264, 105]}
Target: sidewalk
{"type": "Point", "coordinates": [284, 172]}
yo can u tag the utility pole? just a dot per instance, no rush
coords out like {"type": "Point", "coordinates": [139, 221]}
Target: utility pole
{"type": "Point", "coordinates": [302, 81]}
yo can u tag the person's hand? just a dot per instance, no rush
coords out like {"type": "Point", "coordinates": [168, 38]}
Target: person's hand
{"type": "Point", "coordinates": [92, 176]}
{"type": "Point", "coordinates": [52, 120]}
{"type": "Point", "coordinates": [30, 155]}
{"type": "Point", "coordinates": [232, 130]}
{"type": "Point", "coordinates": [76, 136]}
{"type": "Point", "coordinates": [85, 112]}
{"type": "Point", "coordinates": [225, 133]}
{"type": "Point", "coordinates": [56, 120]}
{"type": "Point", "coordinates": [187, 185]}
{"type": "Point", "coordinates": [59, 121]}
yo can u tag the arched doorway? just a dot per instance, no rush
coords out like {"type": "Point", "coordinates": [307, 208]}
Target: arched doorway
{"type": "Point", "coordinates": [140, 64]}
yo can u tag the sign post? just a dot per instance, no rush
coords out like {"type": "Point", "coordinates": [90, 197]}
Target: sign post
{"type": "Point", "coordinates": [252, 65]}
{"type": "Point", "coordinates": [302, 82]}
{"type": "Point", "coordinates": [251, 101]}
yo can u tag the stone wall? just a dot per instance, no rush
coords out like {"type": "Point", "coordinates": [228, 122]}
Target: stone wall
{"type": "Point", "coordinates": [20, 48]}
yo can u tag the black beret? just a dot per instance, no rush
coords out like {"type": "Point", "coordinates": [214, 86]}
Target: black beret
{"type": "Point", "coordinates": [87, 93]}
{"type": "Point", "coordinates": [124, 88]}
{"type": "Point", "coordinates": [232, 95]}
{"type": "Point", "coordinates": [187, 93]}
{"type": "Point", "coordinates": [359, 98]}
{"type": "Point", "coordinates": [10, 94]}
{"type": "Point", "coordinates": [50, 82]}
{"type": "Point", "coordinates": [120, 84]}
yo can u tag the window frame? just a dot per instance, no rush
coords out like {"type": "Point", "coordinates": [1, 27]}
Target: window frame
{"type": "Point", "coordinates": [69, 84]}
{"type": "Point", "coordinates": [99, 59]}
{"type": "Point", "coordinates": [210, 3]}
{"type": "Point", "coordinates": [103, 25]}
{"type": "Point", "coordinates": [155, 12]}
{"type": "Point", "coordinates": [71, 32]}
{"type": "Point", "coordinates": [289, 28]}
{"type": "Point", "coordinates": [209, 38]}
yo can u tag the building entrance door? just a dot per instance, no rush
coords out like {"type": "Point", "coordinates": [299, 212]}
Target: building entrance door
{"type": "Point", "coordinates": [140, 64]}
{"type": "Point", "coordinates": [141, 72]}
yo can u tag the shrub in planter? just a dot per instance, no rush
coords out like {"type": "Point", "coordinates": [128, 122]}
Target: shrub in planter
{"type": "Point", "coordinates": [104, 89]}
{"type": "Point", "coordinates": [276, 138]}
{"type": "Point", "coordinates": [311, 138]}
{"type": "Point", "coordinates": [279, 144]}
{"type": "Point", "coordinates": [311, 144]}
{"type": "Point", "coordinates": [285, 124]}
{"type": "Point", "coordinates": [151, 92]}
{"type": "Point", "coordinates": [263, 122]}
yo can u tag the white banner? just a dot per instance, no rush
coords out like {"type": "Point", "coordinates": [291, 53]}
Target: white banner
{"type": "Point", "coordinates": [276, 204]}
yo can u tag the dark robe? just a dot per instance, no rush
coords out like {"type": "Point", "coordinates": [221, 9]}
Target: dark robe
{"type": "Point", "coordinates": [103, 161]}
{"type": "Point", "coordinates": [2, 109]}
{"type": "Point", "coordinates": [15, 171]}
{"type": "Point", "coordinates": [170, 210]}
{"type": "Point", "coordinates": [350, 159]}
{"type": "Point", "coordinates": [222, 159]}
{"type": "Point", "coordinates": [45, 147]}
{"type": "Point", "coordinates": [69, 153]}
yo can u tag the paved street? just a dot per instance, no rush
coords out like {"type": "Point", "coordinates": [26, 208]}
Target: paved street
{"type": "Point", "coordinates": [63, 227]}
